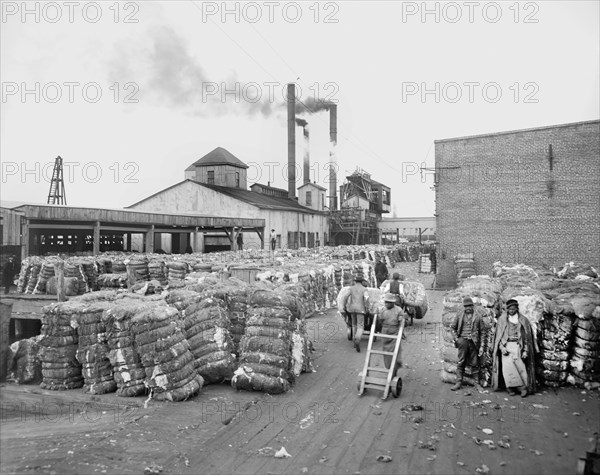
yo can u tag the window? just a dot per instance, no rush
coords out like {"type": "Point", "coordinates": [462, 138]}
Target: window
{"type": "Point", "coordinates": [237, 179]}
{"type": "Point", "coordinates": [210, 179]}
{"type": "Point", "coordinates": [309, 198]}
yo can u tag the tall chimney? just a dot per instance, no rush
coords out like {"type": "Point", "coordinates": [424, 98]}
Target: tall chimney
{"type": "Point", "coordinates": [306, 155]}
{"type": "Point", "coordinates": [291, 121]}
{"type": "Point", "coordinates": [332, 157]}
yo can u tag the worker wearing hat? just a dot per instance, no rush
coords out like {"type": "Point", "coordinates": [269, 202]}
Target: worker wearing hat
{"type": "Point", "coordinates": [356, 306]}
{"type": "Point", "coordinates": [514, 348]}
{"type": "Point", "coordinates": [392, 319]}
{"type": "Point", "coordinates": [466, 328]}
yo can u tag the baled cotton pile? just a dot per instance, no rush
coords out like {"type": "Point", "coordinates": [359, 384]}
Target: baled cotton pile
{"type": "Point", "coordinates": [92, 351]}
{"type": "Point", "coordinates": [58, 348]}
{"type": "Point", "coordinates": [165, 354]}
{"type": "Point", "coordinates": [128, 371]}
{"type": "Point", "coordinates": [274, 348]}
{"type": "Point", "coordinates": [23, 362]}
{"type": "Point", "coordinates": [207, 331]}
{"type": "Point", "coordinates": [465, 266]}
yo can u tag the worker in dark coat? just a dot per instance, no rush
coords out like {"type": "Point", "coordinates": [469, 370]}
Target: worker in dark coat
{"type": "Point", "coordinates": [8, 273]}
{"type": "Point", "coordinates": [381, 272]}
{"type": "Point", "coordinates": [466, 328]}
{"type": "Point", "coordinates": [513, 359]}
{"type": "Point", "coordinates": [356, 306]}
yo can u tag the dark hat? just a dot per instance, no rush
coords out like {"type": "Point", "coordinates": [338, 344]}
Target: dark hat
{"type": "Point", "coordinates": [395, 275]}
{"type": "Point", "coordinates": [467, 301]}
{"type": "Point", "coordinates": [510, 302]}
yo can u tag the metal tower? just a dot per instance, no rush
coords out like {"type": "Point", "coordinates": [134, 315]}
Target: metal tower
{"type": "Point", "coordinates": [56, 195]}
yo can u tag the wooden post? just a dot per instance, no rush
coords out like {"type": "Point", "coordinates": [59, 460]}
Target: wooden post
{"type": "Point", "coordinates": [24, 238]}
{"type": "Point", "coordinates": [96, 244]}
{"type": "Point", "coordinates": [59, 272]}
{"type": "Point", "coordinates": [149, 240]}
{"type": "Point", "coordinates": [5, 312]}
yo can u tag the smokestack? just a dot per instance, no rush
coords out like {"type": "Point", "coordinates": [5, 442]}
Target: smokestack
{"type": "Point", "coordinates": [332, 157]}
{"type": "Point", "coordinates": [306, 155]}
{"type": "Point", "coordinates": [291, 119]}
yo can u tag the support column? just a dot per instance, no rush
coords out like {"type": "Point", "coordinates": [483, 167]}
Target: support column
{"type": "Point", "coordinates": [96, 243]}
{"type": "Point", "coordinates": [195, 239]}
{"type": "Point", "coordinates": [149, 240]}
{"type": "Point", "coordinates": [183, 242]}
{"type": "Point", "coordinates": [24, 238]}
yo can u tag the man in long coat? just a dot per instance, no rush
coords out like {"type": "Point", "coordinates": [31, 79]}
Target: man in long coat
{"type": "Point", "coordinates": [514, 349]}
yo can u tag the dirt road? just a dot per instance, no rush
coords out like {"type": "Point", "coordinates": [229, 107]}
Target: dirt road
{"type": "Point", "coordinates": [322, 423]}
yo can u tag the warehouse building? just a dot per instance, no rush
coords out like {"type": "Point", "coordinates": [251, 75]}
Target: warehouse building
{"type": "Point", "coordinates": [33, 229]}
{"type": "Point", "coordinates": [528, 196]}
{"type": "Point", "coordinates": [218, 183]}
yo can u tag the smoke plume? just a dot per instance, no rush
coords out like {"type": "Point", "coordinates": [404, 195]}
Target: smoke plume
{"type": "Point", "coordinates": [168, 73]}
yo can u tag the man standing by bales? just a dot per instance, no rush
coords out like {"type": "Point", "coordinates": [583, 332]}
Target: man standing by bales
{"type": "Point", "coordinates": [514, 352]}
{"type": "Point", "coordinates": [355, 305]}
{"type": "Point", "coordinates": [381, 271]}
{"type": "Point", "coordinates": [8, 273]}
{"type": "Point", "coordinates": [467, 327]}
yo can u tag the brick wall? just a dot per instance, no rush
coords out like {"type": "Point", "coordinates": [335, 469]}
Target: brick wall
{"type": "Point", "coordinates": [502, 197]}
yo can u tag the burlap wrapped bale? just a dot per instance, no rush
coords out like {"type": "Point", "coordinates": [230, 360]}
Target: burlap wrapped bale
{"type": "Point", "coordinates": [207, 326]}
{"type": "Point", "coordinates": [164, 351]}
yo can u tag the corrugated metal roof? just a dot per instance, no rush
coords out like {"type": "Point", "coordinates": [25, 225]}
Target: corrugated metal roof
{"type": "Point", "coordinates": [219, 156]}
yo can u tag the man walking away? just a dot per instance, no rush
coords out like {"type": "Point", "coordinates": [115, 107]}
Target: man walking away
{"type": "Point", "coordinates": [467, 328]}
{"type": "Point", "coordinates": [355, 305]}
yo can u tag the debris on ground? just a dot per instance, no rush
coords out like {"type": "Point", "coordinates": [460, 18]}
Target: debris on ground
{"type": "Point", "coordinates": [152, 469]}
{"type": "Point", "coordinates": [384, 458]}
{"type": "Point", "coordinates": [282, 453]}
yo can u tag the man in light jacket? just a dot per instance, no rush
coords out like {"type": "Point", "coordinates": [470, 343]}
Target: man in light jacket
{"type": "Point", "coordinates": [356, 307]}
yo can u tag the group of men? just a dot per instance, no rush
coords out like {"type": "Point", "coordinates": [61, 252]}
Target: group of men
{"type": "Point", "coordinates": [514, 345]}
{"type": "Point", "coordinates": [513, 348]}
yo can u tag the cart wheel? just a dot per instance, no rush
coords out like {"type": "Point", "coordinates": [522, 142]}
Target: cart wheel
{"type": "Point", "coordinates": [349, 333]}
{"type": "Point", "coordinates": [396, 386]}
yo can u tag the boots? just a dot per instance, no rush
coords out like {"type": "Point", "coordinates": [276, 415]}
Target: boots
{"type": "Point", "coordinates": [459, 379]}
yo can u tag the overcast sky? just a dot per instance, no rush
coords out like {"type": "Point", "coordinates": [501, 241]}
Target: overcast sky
{"type": "Point", "coordinates": [132, 93]}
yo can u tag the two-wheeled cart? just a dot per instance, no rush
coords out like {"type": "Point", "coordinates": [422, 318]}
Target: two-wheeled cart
{"type": "Point", "coordinates": [373, 377]}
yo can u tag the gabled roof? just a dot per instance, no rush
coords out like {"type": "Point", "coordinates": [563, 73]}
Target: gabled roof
{"type": "Point", "coordinates": [259, 200]}
{"type": "Point", "coordinates": [314, 185]}
{"type": "Point", "coordinates": [219, 156]}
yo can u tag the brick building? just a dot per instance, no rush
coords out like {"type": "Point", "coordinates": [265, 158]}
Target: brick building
{"type": "Point", "coordinates": [528, 196]}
